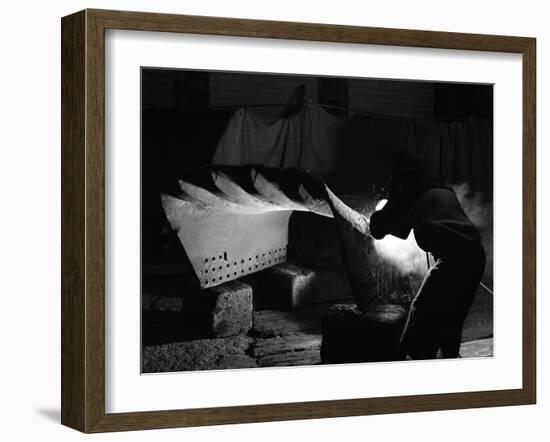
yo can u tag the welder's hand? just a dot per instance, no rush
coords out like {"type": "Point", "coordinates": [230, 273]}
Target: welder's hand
{"type": "Point", "coordinates": [378, 225]}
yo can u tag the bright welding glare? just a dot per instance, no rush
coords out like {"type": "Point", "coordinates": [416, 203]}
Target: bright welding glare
{"type": "Point", "coordinates": [405, 255]}
{"type": "Point", "coordinates": [380, 205]}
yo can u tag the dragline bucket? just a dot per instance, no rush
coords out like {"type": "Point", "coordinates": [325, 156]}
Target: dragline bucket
{"type": "Point", "coordinates": [233, 221]}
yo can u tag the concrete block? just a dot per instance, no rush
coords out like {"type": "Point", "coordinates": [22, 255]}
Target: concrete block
{"type": "Point", "coordinates": [350, 335]}
{"type": "Point", "coordinates": [284, 287]}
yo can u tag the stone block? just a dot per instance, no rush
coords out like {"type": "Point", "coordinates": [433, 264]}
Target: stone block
{"type": "Point", "coordinates": [291, 359]}
{"type": "Point", "coordinates": [481, 348]}
{"type": "Point", "coordinates": [350, 335]}
{"type": "Point", "coordinates": [224, 310]}
{"type": "Point", "coordinates": [291, 343]}
{"type": "Point", "coordinates": [291, 350]}
{"type": "Point", "coordinates": [147, 300]}
{"type": "Point", "coordinates": [200, 354]}
{"type": "Point", "coordinates": [269, 323]}
{"type": "Point", "coordinates": [284, 287]}
{"type": "Point", "coordinates": [167, 304]}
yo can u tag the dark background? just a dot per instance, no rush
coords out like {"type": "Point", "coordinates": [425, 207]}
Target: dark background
{"type": "Point", "coordinates": [185, 113]}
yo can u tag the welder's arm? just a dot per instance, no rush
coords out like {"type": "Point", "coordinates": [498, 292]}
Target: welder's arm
{"type": "Point", "coordinates": [389, 221]}
{"type": "Point", "coordinates": [378, 225]}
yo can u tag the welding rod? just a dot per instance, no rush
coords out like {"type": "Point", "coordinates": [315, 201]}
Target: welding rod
{"type": "Point", "coordinates": [486, 288]}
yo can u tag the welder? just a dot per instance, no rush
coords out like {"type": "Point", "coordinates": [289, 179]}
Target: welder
{"type": "Point", "coordinates": [441, 227]}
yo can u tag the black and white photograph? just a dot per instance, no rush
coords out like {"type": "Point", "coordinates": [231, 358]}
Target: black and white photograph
{"type": "Point", "coordinates": [246, 221]}
{"type": "Point", "coordinates": [294, 220]}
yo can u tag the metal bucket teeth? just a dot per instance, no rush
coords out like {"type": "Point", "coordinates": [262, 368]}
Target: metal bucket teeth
{"type": "Point", "coordinates": [228, 232]}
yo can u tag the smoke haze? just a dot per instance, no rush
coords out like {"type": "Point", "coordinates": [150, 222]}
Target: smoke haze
{"type": "Point", "coordinates": [409, 259]}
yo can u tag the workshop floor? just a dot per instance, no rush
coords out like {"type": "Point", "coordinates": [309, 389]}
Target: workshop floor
{"type": "Point", "coordinates": [281, 338]}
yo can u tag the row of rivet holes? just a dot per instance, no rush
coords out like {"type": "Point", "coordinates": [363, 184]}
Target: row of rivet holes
{"type": "Point", "coordinates": [275, 259]}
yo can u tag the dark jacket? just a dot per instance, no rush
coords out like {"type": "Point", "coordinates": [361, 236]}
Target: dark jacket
{"type": "Point", "coordinates": [435, 215]}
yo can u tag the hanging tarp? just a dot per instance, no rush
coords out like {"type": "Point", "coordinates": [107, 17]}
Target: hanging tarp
{"type": "Point", "coordinates": [306, 139]}
{"type": "Point", "coordinates": [352, 151]}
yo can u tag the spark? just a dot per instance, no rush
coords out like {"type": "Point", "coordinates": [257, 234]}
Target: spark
{"type": "Point", "coordinates": [380, 205]}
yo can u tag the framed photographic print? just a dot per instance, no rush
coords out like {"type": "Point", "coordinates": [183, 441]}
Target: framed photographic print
{"type": "Point", "coordinates": [270, 220]}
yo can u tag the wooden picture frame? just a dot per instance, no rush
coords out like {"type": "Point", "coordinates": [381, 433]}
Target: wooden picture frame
{"type": "Point", "coordinates": [83, 220]}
